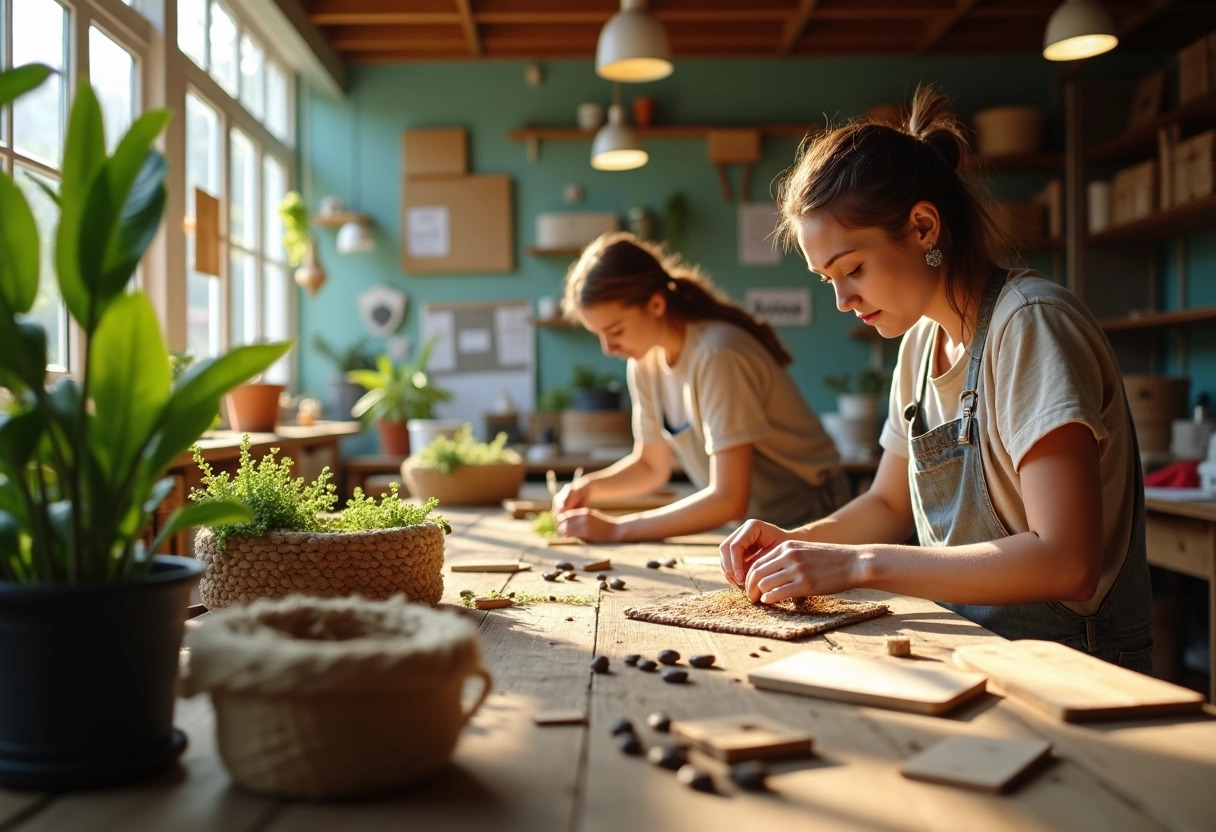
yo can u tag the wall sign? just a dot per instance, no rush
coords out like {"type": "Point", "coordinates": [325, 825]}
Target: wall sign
{"type": "Point", "coordinates": [780, 307]}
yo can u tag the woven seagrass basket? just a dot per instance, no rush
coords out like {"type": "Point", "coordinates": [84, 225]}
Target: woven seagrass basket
{"type": "Point", "coordinates": [376, 564]}
{"type": "Point", "coordinates": [327, 698]}
{"type": "Point", "coordinates": [466, 485]}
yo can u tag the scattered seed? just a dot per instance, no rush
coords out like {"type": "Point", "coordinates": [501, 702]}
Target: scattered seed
{"type": "Point", "coordinates": [750, 776]}
{"type": "Point", "coordinates": [632, 659]}
{"type": "Point", "coordinates": [668, 657]}
{"type": "Point", "coordinates": [675, 675]}
{"type": "Point", "coordinates": [659, 721]}
{"type": "Point", "coordinates": [693, 777]}
{"type": "Point", "coordinates": [629, 744]}
{"type": "Point", "coordinates": [764, 648]}
{"type": "Point", "coordinates": [704, 660]}
{"type": "Point", "coordinates": [647, 664]}
{"type": "Point", "coordinates": [653, 564]}
{"type": "Point", "coordinates": [570, 576]}
{"type": "Point", "coordinates": [554, 598]}
{"type": "Point", "coordinates": [600, 664]}
{"type": "Point", "coordinates": [604, 585]}
{"type": "Point", "coordinates": [666, 756]}
{"type": "Point", "coordinates": [603, 576]}
{"type": "Point", "coordinates": [621, 726]}
{"type": "Point", "coordinates": [617, 583]}
{"type": "Point", "coordinates": [550, 576]}
{"type": "Point", "coordinates": [563, 566]}
{"type": "Point", "coordinates": [670, 562]}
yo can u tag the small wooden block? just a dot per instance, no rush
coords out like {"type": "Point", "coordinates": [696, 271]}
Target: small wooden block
{"type": "Point", "coordinates": [562, 541]}
{"type": "Point", "coordinates": [744, 737]}
{"type": "Point", "coordinates": [984, 763]}
{"type": "Point", "coordinates": [899, 646]}
{"type": "Point", "coordinates": [491, 565]}
{"type": "Point", "coordinates": [598, 566]}
{"type": "Point", "coordinates": [560, 717]}
{"type": "Point", "coordinates": [492, 603]}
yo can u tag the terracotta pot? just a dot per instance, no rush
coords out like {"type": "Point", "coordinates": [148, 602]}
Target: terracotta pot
{"type": "Point", "coordinates": [394, 437]}
{"type": "Point", "coordinates": [254, 408]}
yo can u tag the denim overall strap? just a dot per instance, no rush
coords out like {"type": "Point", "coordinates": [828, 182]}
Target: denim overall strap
{"type": "Point", "coordinates": [952, 507]}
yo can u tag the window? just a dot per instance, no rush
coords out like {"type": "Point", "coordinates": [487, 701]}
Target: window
{"type": "Point", "coordinates": [203, 302]}
{"type": "Point", "coordinates": [40, 34]}
{"type": "Point", "coordinates": [112, 73]}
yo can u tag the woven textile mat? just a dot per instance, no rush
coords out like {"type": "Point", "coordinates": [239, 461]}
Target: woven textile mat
{"type": "Point", "coordinates": [729, 611]}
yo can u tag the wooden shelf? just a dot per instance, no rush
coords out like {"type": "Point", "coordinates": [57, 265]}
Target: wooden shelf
{"type": "Point", "coordinates": [538, 251]}
{"type": "Point", "coordinates": [1141, 141]}
{"type": "Point", "coordinates": [1159, 320]}
{"type": "Point", "coordinates": [338, 220]}
{"type": "Point", "coordinates": [661, 131]}
{"type": "Point", "coordinates": [1191, 216]}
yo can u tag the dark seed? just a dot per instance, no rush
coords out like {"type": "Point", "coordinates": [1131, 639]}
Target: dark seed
{"type": "Point", "coordinates": [693, 777]}
{"type": "Point", "coordinates": [617, 583]}
{"type": "Point", "coordinates": [704, 660]}
{"type": "Point", "coordinates": [632, 659]}
{"type": "Point", "coordinates": [603, 576]}
{"type": "Point", "coordinates": [668, 657]}
{"type": "Point", "coordinates": [647, 664]}
{"type": "Point", "coordinates": [621, 726]}
{"type": "Point", "coordinates": [629, 744]}
{"type": "Point", "coordinates": [554, 598]}
{"type": "Point", "coordinates": [604, 585]}
{"type": "Point", "coordinates": [563, 566]}
{"type": "Point", "coordinates": [764, 648]}
{"type": "Point", "coordinates": [754, 655]}
{"type": "Point", "coordinates": [670, 562]}
{"type": "Point", "coordinates": [550, 576]}
{"type": "Point", "coordinates": [666, 756]}
{"type": "Point", "coordinates": [653, 564]}
{"type": "Point", "coordinates": [675, 675]}
{"type": "Point", "coordinates": [750, 776]}
{"type": "Point", "coordinates": [659, 721]}
{"type": "Point", "coordinates": [570, 576]}
{"type": "Point", "coordinates": [600, 664]}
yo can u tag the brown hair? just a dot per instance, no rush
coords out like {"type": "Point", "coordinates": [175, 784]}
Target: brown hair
{"type": "Point", "coordinates": [620, 268]}
{"type": "Point", "coordinates": [869, 175]}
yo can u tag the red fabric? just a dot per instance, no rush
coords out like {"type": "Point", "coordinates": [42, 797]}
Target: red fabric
{"type": "Point", "coordinates": [1183, 474]}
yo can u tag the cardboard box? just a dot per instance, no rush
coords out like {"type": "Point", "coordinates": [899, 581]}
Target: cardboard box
{"type": "Point", "coordinates": [573, 229]}
{"type": "Point", "coordinates": [438, 152]}
{"type": "Point", "coordinates": [457, 224]}
{"type": "Point", "coordinates": [733, 147]}
{"type": "Point", "coordinates": [1194, 70]}
{"type": "Point", "coordinates": [1193, 167]}
{"type": "Point", "coordinates": [1134, 192]}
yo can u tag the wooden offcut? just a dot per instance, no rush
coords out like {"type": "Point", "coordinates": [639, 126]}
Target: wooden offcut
{"type": "Point", "coordinates": [490, 565]}
{"type": "Point", "coordinates": [750, 736]}
{"type": "Point", "coordinates": [988, 764]}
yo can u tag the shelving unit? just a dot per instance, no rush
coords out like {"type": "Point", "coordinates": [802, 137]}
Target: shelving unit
{"type": "Point", "coordinates": [533, 136]}
{"type": "Point", "coordinates": [340, 219]}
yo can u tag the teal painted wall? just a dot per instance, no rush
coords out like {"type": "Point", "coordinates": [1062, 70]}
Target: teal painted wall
{"type": "Point", "coordinates": [491, 98]}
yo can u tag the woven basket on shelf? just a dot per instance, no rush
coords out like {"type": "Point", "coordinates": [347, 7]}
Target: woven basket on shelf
{"type": "Point", "coordinates": [467, 485]}
{"type": "Point", "coordinates": [376, 564]}
{"type": "Point", "coordinates": [325, 698]}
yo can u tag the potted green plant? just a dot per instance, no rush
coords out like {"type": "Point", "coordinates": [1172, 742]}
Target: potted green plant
{"type": "Point", "coordinates": [593, 390]}
{"type": "Point", "coordinates": [397, 394]}
{"type": "Point", "coordinates": [293, 543]}
{"type": "Point", "coordinates": [459, 470]}
{"type": "Point", "coordinates": [357, 355]}
{"type": "Point", "coordinates": [298, 243]}
{"type": "Point", "coordinates": [858, 395]}
{"type": "Point", "coordinates": [83, 598]}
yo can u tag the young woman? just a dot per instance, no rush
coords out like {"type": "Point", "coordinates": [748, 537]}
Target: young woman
{"type": "Point", "coordinates": [1008, 447]}
{"type": "Point", "coordinates": [709, 388]}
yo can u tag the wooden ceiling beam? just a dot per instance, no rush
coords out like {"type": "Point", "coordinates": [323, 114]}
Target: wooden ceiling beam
{"type": "Point", "coordinates": [795, 27]}
{"type": "Point", "coordinates": [403, 45]}
{"type": "Point", "coordinates": [941, 26]}
{"type": "Point", "coordinates": [469, 25]}
{"type": "Point", "coordinates": [348, 12]}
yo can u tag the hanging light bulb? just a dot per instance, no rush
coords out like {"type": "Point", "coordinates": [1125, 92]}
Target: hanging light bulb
{"type": "Point", "coordinates": [1078, 29]}
{"type": "Point", "coordinates": [616, 146]}
{"type": "Point", "coordinates": [355, 236]}
{"type": "Point", "coordinates": [633, 46]}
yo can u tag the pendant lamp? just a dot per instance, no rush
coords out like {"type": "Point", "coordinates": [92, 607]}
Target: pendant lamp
{"type": "Point", "coordinates": [1078, 29]}
{"type": "Point", "coordinates": [633, 46]}
{"type": "Point", "coordinates": [616, 146]}
{"type": "Point", "coordinates": [355, 236]}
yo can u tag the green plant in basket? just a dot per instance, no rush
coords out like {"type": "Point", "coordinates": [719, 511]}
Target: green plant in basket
{"type": "Point", "coordinates": [447, 453]}
{"type": "Point", "coordinates": [398, 392]}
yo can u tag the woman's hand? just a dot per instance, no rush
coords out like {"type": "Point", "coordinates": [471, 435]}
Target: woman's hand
{"type": "Point", "coordinates": [573, 495]}
{"type": "Point", "coordinates": [797, 569]}
{"type": "Point", "coordinates": [588, 524]}
{"type": "Point", "coordinates": [746, 543]}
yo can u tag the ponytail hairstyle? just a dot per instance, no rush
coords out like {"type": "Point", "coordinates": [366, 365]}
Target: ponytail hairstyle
{"type": "Point", "coordinates": [869, 175]}
{"type": "Point", "coordinates": [620, 268]}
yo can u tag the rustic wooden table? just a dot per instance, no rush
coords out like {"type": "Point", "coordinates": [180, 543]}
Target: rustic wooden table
{"type": "Point", "coordinates": [508, 774]}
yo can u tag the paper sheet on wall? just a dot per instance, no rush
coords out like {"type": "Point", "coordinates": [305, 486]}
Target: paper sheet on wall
{"type": "Point", "coordinates": [514, 332]}
{"type": "Point", "coordinates": [429, 231]}
{"type": "Point", "coordinates": [442, 327]}
{"type": "Point", "coordinates": [757, 242]}
{"type": "Point", "coordinates": [473, 340]}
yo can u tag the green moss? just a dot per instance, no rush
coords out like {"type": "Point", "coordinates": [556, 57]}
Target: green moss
{"type": "Point", "coordinates": [446, 453]}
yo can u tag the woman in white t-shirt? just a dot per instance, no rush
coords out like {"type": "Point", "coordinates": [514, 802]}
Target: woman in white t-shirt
{"type": "Point", "coordinates": [1008, 447]}
{"type": "Point", "coordinates": [709, 389]}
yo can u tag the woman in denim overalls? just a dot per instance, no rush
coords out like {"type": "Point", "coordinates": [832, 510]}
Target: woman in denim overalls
{"type": "Point", "coordinates": [1008, 450]}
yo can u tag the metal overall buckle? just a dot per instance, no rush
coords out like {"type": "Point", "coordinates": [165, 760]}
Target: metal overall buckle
{"type": "Point", "coordinates": [968, 399]}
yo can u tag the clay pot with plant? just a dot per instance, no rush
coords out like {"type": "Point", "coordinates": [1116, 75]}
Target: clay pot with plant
{"type": "Point", "coordinates": [396, 394]}
{"type": "Point", "coordinates": [83, 462]}
{"type": "Point", "coordinates": [298, 243]}
{"type": "Point", "coordinates": [859, 395]}
{"type": "Point", "coordinates": [593, 390]}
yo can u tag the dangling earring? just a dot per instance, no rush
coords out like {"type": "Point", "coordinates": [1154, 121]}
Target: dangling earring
{"type": "Point", "coordinates": [933, 256]}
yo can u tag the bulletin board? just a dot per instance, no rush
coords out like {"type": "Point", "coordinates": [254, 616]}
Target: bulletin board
{"type": "Point", "coordinates": [482, 350]}
{"type": "Point", "coordinates": [457, 224]}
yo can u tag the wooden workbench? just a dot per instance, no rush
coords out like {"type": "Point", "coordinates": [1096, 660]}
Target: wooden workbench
{"type": "Point", "coordinates": [509, 774]}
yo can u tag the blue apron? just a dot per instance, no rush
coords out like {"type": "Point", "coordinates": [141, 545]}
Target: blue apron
{"type": "Point", "coordinates": [952, 508]}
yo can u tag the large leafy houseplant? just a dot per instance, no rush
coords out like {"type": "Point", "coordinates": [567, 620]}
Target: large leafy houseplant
{"type": "Point", "coordinates": [82, 471]}
{"type": "Point", "coordinates": [397, 393]}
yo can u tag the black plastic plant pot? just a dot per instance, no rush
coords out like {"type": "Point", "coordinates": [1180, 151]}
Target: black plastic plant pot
{"type": "Point", "coordinates": [88, 676]}
{"type": "Point", "coordinates": [596, 400]}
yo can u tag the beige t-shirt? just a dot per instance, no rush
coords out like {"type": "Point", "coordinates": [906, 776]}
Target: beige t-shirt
{"type": "Point", "coordinates": [734, 392]}
{"type": "Point", "coordinates": [1046, 363]}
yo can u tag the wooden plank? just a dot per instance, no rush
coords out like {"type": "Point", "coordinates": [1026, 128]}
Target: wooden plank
{"type": "Point", "coordinates": [1072, 685]}
{"type": "Point", "coordinates": [986, 763]}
